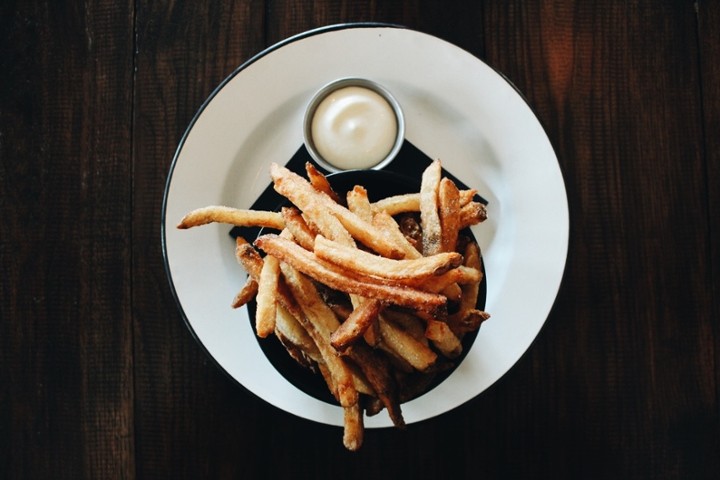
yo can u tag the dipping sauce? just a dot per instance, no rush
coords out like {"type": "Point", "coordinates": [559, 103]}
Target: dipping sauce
{"type": "Point", "coordinates": [354, 127]}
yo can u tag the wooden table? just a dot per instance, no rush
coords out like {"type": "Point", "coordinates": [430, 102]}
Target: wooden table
{"type": "Point", "coordinates": [100, 377]}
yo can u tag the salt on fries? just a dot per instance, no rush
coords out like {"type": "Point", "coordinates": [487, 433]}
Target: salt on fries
{"type": "Point", "coordinates": [374, 296]}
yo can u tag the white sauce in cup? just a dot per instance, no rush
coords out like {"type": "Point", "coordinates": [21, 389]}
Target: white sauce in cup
{"type": "Point", "coordinates": [354, 127]}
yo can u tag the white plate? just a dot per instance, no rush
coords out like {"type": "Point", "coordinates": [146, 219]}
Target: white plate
{"type": "Point", "coordinates": [457, 109]}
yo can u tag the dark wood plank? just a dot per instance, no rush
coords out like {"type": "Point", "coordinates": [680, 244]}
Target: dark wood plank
{"type": "Point", "coordinates": [709, 40]}
{"type": "Point", "coordinates": [191, 421]}
{"type": "Point", "coordinates": [66, 387]}
{"type": "Point", "coordinates": [621, 378]}
{"type": "Point", "coordinates": [287, 18]}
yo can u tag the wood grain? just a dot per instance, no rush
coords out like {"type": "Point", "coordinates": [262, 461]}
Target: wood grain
{"type": "Point", "coordinates": [709, 46]}
{"type": "Point", "coordinates": [66, 335]}
{"type": "Point", "coordinates": [638, 252]}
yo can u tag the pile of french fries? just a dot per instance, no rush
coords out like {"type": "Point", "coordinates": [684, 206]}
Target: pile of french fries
{"type": "Point", "coordinates": [374, 296]}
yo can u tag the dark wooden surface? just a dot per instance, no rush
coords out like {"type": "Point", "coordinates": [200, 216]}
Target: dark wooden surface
{"type": "Point", "coordinates": [99, 378]}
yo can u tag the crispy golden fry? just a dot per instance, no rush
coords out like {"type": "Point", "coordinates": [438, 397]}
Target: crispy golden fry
{"type": "Point", "coordinates": [232, 216]}
{"type": "Point", "coordinates": [366, 263]}
{"type": "Point", "coordinates": [295, 338]}
{"type": "Point", "coordinates": [303, 195]}
{"type": "Point", "coordinates": [372, 334]}
{"type": "Point", "coordinates": [466, 321]}
{"type": "Point", "coordinates": [246, 293]}
{"type": "Point", "coordinates": [331, 227]}
{"type": "Point", "coordinates": [388, 224]}
{"type": "Point", "coordinates": [289, 330]}
{"type": "Point", "coordinates": [356, 323]}
{"type": "Point", "coordinates": [308, 298]}
{"type": "Point", "coordinates": [320, 182]}
{"type": "Point", "coordinates": [468, 318]}
{"type": "Point", "coordinates": [472, 214]}
{"type": "Point", "coordinates": [253, 263]}
{"type": "Point", "coordinates": [378, 373]}
{"type": "Point", "coordinates": [467, 196]}
{"type": "Point", "coordinates": [319, 321]}
{"type": "Point", "coordinates": [307, 263]}
{"type": "Point", "coordinates": [397, 204]}
{"type": "Point", "coordinates": [358, 203]}
{"type": "Point", "coordinates": [298, 227]}
{"type": "Point", "coordinates": [327, 225]}
{"type": "Point", "coordinates": [410, 202]}
{"type": "Point", "coordinates": [248, 257]}
{"type": "Point", "coordinates": [429, 216]}
{"type": "Point", "coordinates": [354, 430]}
{"type": "Point", "coordinates": [404, 345]}
{"type": "Point", "coordinates": [449, 211]}
{"type": "Point", "coordinates": [409, 322]}
{"type": "Point", "coordinates": [452, 292]}
{"type": "Point", "coordinates": [472, 260]}
{"type": "Point", "coordinates": [460, 275]}
{"type": "Point", "coordinates": [265, 311]}
{"type": "Point", "coordinates": [443, 338]}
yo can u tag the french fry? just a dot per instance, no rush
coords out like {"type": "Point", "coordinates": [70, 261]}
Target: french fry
{"type": "Point", "coordinates": [472, 214]}
{"type": "Point", "coordinates": [460, 275]}
{"type": "Point", "coordinates": [310, 301]}
{"type": "Point", "coordinates": [307, 263]}
{"type": "Point", "coordinates": [298, 227]}
{"type": "Point", "coordinates": [295, 339]}
{"type": "Point", "coordinates": [253, 263]}
{"type": "Point", "coordinates": [328, 225]}
{"type": "Point", "coordinates": [356, 324]}
{"type": "Point", "coordinates": [449, 212]}
{"type": "Point", "coordinates": [372, 334]}
{"type": "Point", "coordinates": [247, 293]}
{"type": "Point", "coordinates": [358, 203]}
{"type": "Point", "coordinates": [416, 353]}
{"type": "Point", "coordinates": [302, 194]}
{"type": "Point", "coordinates": [410, 202]}
{"type": "Point", "coordinates": [248, 257]}
{"type": "Point", "coordinates": [407, 321]}
{"type": "Point", "coordinates": [366, 263]}
{"type": "Point", "coordinates": [468, 318]}
{"type": "Point", "coordinates": [470, 290]}
{"type": "Point", "coordinates": [384, 221]}
{"type": "Point", "coordinates": [354, 430]}
{"type": "Point", "coordinates": [429, 216]}
{"type": "Point", "coordinates": [466, 321]}
{"type": "Point", "coordinates": [320, 182]}
{"type": "Point", "coordinates": [378, 373]}
{"type": "Point", "coordinates": [443, 338]}
{"type": "Point", "coordinates": [397, 204]}
{"type": "Point", "coordinates": [232, 216]}
{"type": "Point", "coordinates": [319, 321]}
{"type": "Point", "coordinates": [265, 311]}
